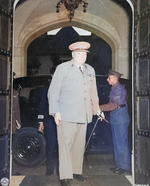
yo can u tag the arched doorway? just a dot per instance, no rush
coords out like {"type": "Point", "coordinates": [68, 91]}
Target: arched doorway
{"type": "Point", "coordinates": [32, 27]}
{"type": "Point", "coordinates": [140, 140]}
{"type": "Point", "coordinates": [67, 47]}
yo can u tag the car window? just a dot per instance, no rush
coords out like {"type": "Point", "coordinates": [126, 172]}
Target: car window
{"type": "Point", "coordinates": [25, 92]}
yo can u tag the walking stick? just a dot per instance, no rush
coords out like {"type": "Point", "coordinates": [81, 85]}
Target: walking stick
{"type": "Point", "coordinates": [93, 130]}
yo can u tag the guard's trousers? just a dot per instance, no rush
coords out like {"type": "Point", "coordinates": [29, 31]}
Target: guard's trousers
{"type": "Point", "coordinates": [71, 143]}
{"type": "Point", "coordinates": [121, 146]}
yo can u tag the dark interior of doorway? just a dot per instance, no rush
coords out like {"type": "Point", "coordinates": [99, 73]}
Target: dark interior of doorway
{"type": "Point", "coordinates": [55, 47]}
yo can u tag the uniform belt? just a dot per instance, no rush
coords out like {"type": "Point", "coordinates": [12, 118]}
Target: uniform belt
{"type": "Point", "coordinates": [121, 106]}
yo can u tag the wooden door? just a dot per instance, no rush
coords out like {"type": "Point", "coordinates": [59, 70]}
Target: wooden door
{"type": "Point", "coordinates": [5, 85]}
{"type": "Point", "coordinates": [141, 87]}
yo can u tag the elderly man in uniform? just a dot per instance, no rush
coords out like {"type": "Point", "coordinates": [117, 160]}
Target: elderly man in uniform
{"type": "Point", "coordinates": [73, 100]}
{"type": "Point", "coordinates": [119, 120]}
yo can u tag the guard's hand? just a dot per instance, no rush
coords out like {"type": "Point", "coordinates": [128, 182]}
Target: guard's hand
{"type": "Point", "coordinates": [41, 127]}
{"type": "Point", "coordinates": [57, 118]}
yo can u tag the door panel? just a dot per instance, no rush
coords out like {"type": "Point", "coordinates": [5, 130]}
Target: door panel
{"type": "Point", "coordinates": [143, 146]}
{"type": "Point", "coordinates": [144, 112]}
{"type": "Point", "coordinates": [3, 32]}
{"type": "Point", "coordinates": [143, 74]}
{"type": "Point", "coordinates": [143, 34]}
{"type": "Point", "coordinates": [143, 4]}
{"type": "Point", "coordinates": [4, 151]}
{"type": "Point", "coordinates": [3, 113]}
{"type": "Point", "coordinates": [4, 68]}
{"type": "Point", "coordinates": [5, 4]}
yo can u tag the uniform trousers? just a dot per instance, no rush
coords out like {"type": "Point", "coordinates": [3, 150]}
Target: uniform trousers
{"type": "Point", "coordinates": [121, 146]}
{"type": "Point", "coordinates": [71, 142]}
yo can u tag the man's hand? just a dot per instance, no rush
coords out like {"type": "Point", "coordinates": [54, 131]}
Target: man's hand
{"type": "Point", "coordinates": [57, 118]}
{"type": "Point", "coordinates": [41, 127]}
{"type": "Point", "coordinates": [100, 115]}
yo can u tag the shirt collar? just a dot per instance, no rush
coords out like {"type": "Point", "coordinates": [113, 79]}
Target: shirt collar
{"type": "Point", "coordinates": [115, 85]}
{"type": "Point", "coordinates": [80, 66]}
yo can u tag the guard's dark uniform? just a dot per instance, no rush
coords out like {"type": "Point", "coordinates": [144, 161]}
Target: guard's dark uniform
{"type": "Point", "coordinates": [119, 121]}
{"type": "Point", "coordinates": [50, 133]}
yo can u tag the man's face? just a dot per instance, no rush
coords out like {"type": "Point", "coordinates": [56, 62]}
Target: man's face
{"type": "Point", "coordinates": [79, 57]}
{"type": "Point", "coordinates": [111, 79]}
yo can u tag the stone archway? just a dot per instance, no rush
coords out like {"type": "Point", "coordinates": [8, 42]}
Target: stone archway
{"type": "Point", "coordinates": [34, 27]}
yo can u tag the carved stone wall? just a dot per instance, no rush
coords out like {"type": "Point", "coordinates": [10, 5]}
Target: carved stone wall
{"type": "Point", "coordinates": [105, 19]}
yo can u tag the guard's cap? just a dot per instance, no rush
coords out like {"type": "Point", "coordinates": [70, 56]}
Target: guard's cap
{"type": "Point", "coordinates": [114, 73]}
{"type": "Point", "coordinates": [80, 46]}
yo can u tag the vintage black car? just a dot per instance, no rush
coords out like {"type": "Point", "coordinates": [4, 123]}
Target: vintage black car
{"type": "Point", "coordinates": [29, 144]}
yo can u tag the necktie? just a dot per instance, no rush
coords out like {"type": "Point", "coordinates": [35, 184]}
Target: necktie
{"type": "Point", "coordinates": [80, 70]}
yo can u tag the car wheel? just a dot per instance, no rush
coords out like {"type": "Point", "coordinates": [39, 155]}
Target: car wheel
{"type": "Point", "coordinates": [28, 147]}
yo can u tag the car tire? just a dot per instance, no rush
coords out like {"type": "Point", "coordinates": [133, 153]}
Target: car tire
{"type": "Point", "coordinates": [28, 147]}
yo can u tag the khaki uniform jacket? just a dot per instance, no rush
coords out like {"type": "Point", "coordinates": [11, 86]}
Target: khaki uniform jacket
{"type": "Point", "coordinates": [73, 94]}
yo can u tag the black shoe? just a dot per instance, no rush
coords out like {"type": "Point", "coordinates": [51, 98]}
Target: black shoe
{"type": "Point", "coordinates": [122, 171]}
{"type": "Point", "coordinates": [64, 182]}
{"type": "Point", "coordinates": [114, 168]}
{"type": "Point", "coordinates": [79, 177]}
